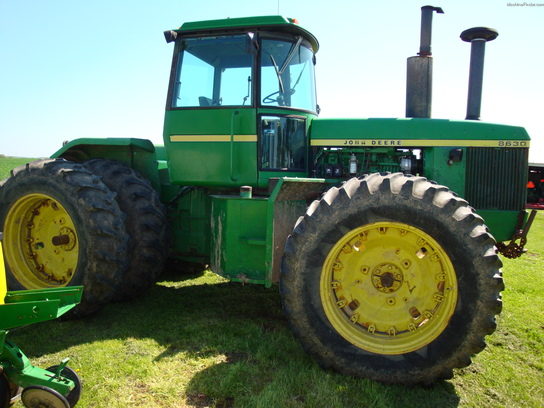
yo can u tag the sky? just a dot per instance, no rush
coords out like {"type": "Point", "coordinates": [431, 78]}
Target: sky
{"type": "Point", "coordinates": [71, 69]}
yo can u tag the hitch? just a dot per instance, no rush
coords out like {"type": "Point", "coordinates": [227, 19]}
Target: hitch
{"type": "Point", "coordinates": [513, 249]}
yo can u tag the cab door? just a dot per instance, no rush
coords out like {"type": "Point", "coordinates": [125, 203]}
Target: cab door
{"type": "Point", "coordinates": [210, 123]}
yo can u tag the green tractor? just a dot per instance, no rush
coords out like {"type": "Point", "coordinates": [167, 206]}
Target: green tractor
{"type": "Point", "coordinates": [383, 274]}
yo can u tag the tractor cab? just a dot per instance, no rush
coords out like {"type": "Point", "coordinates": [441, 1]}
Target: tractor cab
{"type": "Point", "coordinates": [240, 101]}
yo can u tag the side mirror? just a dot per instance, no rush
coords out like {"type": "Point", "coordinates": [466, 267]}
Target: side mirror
{"type": "Point", "coordinates": [170, 36]}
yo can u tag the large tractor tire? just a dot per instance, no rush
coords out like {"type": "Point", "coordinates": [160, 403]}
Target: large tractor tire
{"type": "Point", "coordinates": [62, 227]}
{"type": "Point", "coordinates": [393, 278]}
{"type": "Point", "coordinates": [145, 224]}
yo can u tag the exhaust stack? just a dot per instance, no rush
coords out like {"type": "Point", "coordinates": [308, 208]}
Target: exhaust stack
{"type": "Point", "coordinates": [477, 36]}
{"type": "Point", "coordinates": [420, 70]}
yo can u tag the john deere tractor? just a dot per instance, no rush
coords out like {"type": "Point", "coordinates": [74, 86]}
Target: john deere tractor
{"type": "Point", "coordinates": [383, 273]}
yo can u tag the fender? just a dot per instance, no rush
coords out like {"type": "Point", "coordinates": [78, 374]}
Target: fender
{"type": "Point", "coordinates": [140, 154]}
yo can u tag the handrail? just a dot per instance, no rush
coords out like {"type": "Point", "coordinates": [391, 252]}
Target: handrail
{"type": "Point", "coordinates": [234, 112]}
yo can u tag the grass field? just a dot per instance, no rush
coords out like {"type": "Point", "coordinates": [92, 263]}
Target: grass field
{"type": "Point", "coordinates": [8, 163]}
{"type": "Point", "coordinates": [200, 341]}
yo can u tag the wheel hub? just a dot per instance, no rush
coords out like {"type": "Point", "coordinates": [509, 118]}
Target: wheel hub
{"type": "Point", "coordinates": [387, 277]}
{"type": "Point", "coordinates": [388, 288]}
{"type": "Point", "coordinates": [41, 242]}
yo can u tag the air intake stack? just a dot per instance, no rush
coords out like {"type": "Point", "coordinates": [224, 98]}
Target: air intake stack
{"type": "Point", "coordinates": [477, 36]}
{"type": "Point", "coordinates": [419, 79]}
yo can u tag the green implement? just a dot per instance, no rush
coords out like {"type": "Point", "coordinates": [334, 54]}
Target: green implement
{"type": "Point", "coordinates": [57, 386]}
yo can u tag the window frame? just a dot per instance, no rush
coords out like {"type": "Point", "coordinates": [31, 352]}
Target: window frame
{"type": "Point", "coordinates": [260, 140]}
{"type": "Point", "coordinates": [177, 64]}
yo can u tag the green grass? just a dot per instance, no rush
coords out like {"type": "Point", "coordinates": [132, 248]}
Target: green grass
{"type": "Point", "coordinates": [200, 341]}
{"type": "Point", "coordinates": [8, 163]}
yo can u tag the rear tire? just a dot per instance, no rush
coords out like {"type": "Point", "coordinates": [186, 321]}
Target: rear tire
{"type": "Point", "coordinates": [145, 224]}
{"type": "Point", "coordinates": [62, 227]}
{"type": "Point", "coordinates": [392, 278]}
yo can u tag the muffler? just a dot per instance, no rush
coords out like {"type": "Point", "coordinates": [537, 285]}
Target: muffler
{"type": "Point", "coordinates": [477, 36]}
{"type": "Point", "coordinates": [419, 79]}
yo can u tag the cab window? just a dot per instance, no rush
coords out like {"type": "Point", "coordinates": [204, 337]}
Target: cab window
{"type": "Point", "coordinates": [214, 71]}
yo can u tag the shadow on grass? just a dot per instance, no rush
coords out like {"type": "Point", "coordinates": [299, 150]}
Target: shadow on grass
{"type": "Point", "coordinates": [192, 318]}
{"type": "Point", "coordinates": [245, 383]}
{"type": "Point", "coordinates": [257, 361]}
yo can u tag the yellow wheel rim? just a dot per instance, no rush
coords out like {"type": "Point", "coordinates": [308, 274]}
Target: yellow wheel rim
{"type": "Point", "coordinates": [40, 242]}
{"type": "Point", "coordinates": [388, 288]}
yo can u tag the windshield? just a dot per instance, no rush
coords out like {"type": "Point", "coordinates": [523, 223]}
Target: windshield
{"type": "Point", "coordinates": [287, 76]}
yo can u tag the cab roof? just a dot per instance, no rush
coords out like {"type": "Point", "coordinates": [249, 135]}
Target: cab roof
{"type": "Point", "coordinates": [271, 23]}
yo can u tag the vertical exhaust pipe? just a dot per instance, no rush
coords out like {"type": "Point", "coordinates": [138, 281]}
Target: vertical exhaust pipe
{"type": "Point", "coordinates": [419, 75]}
{"type": "Point", "coordinates": [477, 36]}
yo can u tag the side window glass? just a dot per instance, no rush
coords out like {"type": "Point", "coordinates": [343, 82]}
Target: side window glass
{"type": "Point", "coordinates": [282, 143]}
{"type": "Point", "coordinates": [214, 71]}
{"type": "Point", "coordinates": [196, 84]}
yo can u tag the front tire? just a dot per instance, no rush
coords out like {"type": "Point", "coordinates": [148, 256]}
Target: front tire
{"type": "Point", "coordinates": [392, 278]}
{"type": "Point", "coordinates": [62, 227]}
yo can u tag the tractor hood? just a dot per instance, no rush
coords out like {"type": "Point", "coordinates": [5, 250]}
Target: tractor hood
{"type": "Point", "coordinates": [412, 132]}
